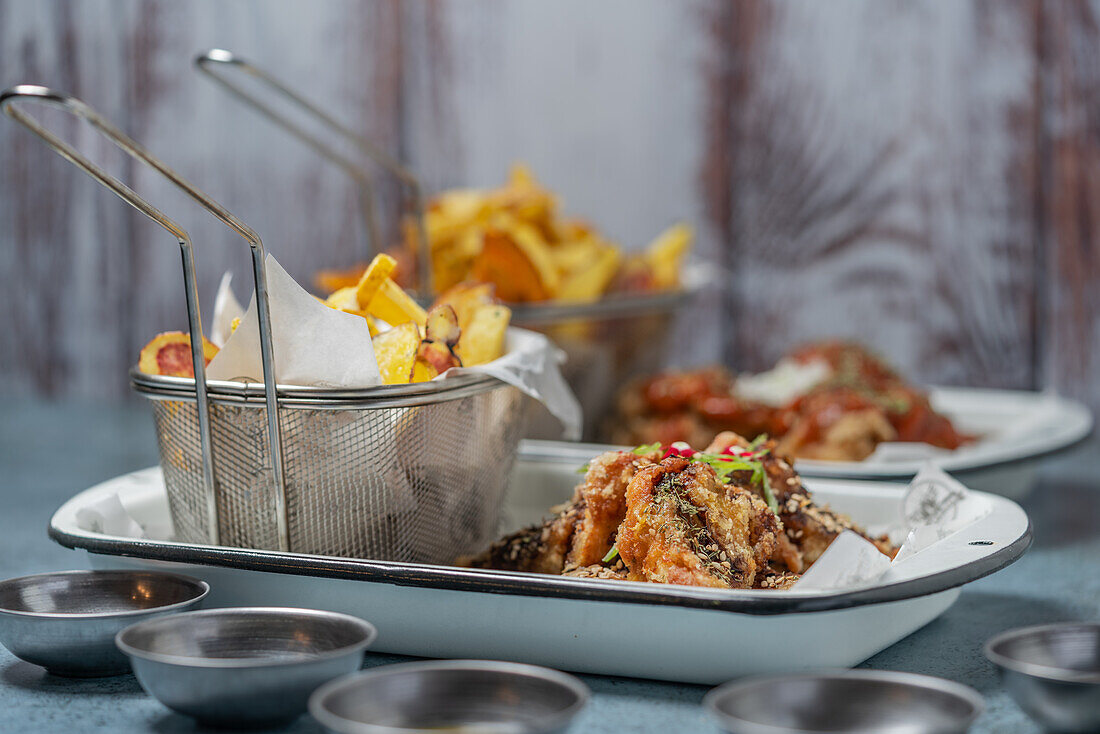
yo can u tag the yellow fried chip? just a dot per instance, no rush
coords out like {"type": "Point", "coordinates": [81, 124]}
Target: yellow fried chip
{"type": "Point", "coordinates": [379, 270]}
{"type": "Point", "coordinates": [587, 284]}
{"type": "Point", "coordinates": [451, 264]}
{"type": "Point", "coordinates": [572, 255]}
{"type": "Point", "coordinates": [395, 306]}
{"type": "Point", "coordinates": [328, 281]}
{"type": "Point", "coordinates": [515, 257]}
{"type": "Point", "coordinates": [504, 264]}
{"type": "Point", "coordinates": [343, 299]}
{"type": "Point", "coordinates": [452, 213]}
{"type": "Point", "coordinates": [442, 325]}
{"type": "Point", "coordinates": [521, 176]}
{"type": "Point", "coordinates": [666, 254]}
{"type": "Point", "coordinates": [395, 350]}
{"type": "Point", "coordinates": [514, 236]}
{"type": "Point", "coordinates": [483, 339]}
{"type": "Point", "coordinates": [466, 298]}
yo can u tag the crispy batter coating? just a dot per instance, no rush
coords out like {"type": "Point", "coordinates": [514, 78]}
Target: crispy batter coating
{"type": "Point", "coordinates": [581, 532]}
{"type": "Point", "coordinates": [772, 578]}
{"type": "Point", "coordinates": [673, 520]}
{"type": "Point", "coordinates": [603, 494]}
{"type": "Point", "coordinates": [809, 527]}
{"type": "Point", "coordinates": [684, 526]}
{"type": "Point", "coordinates": [538, 548]}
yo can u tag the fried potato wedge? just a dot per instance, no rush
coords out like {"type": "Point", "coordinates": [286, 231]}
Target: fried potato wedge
{"type": "Point", "coordinates": [514, 237]}
{"type": "Point", "coordinates": [517, 263]}
{"type": "Point", "coordinates": [438, 355]}
{"type": "Point", "coordinates": [466, 298]}
{"type": "Point", "coordinates": [394, 306]}
{"type": "Point", "coordinates": [347, 301]}
{"type": "Point", "coordinates": [442, 326]}
{"type": "Point", "coordinates": [377, 273]}
{"type": "Point", "coordinates": [587, 284]}
{"type": "Point", "coordinates": [396, 351]}
{"type": "Point", "coordinates": [343, 299]}
{"type": "Point", "coordinates": [170, 354]}
{"type": "Point", "coordinates": [452, 213]}
{"type": "Point", "coordinates": [666, 253]}
{"type": "Point", "coordinates": [451, 264]}
{"type": "Point", "coordinates": [422, 371]}
{"type": "Point", "coordinates": [482, 339]}
{"type": "Point", "coordinates": [331, 280]}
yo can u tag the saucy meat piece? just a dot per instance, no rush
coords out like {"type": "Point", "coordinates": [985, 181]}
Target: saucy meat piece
{"type": "Point", "coordinates": [858, 403]}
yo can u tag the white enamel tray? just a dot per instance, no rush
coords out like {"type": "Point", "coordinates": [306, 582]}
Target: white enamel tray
{"type": "Point", "coordinates": [585, 625]}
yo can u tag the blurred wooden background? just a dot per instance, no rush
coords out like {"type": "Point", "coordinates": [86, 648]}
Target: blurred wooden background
{"type": "Point", "coordinates": [922, 176]}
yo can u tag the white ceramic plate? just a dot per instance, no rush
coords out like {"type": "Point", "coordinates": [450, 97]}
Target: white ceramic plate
{"type": "Point", "coordinates": [1012, 425]}
{"type": "Point", "coordinates": [608, 627]}
{"type": "Point", "coordinates": [1016, 429]}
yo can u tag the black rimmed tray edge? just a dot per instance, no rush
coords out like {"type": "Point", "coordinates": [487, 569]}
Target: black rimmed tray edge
{"type": "Point", "coordinates": [538, 585]}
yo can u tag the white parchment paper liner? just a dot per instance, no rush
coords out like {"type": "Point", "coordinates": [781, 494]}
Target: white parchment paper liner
{"type": "Point", "coordinates": [935, 506]}
{"type": "Point", "coordinates": [107, 515]}
{"type": "Point", "coordinates": [319, 346]}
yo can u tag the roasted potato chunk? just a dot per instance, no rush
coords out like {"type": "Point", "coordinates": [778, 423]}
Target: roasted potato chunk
{"type": "Point", "coordinates": [396, 351]}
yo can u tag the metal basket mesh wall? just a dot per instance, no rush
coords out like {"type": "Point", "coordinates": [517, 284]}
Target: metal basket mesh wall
{"type": "Point", "coordinates": [421, 484]}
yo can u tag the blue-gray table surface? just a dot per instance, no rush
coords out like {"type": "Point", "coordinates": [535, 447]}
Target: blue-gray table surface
{"type": "Point", "coordinates": [49, 452]}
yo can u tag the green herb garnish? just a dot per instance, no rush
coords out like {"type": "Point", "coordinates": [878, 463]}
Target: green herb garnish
{"type": "Point", "coordinates": [762, 476]}
{"type": "Point", "coordinates": [583, 469]}
{"type": "Point", "coordinates": [611, 555]}
{"type": "Point", "coordinates": [724, 465]}
{"type": "Point", "coordinates": [647, 448]}
{"type": "Point", "coordinates": [758, 442]}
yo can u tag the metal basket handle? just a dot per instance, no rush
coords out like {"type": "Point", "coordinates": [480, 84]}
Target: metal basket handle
{"type": "Point", "coordinates": [77, 108]}
{"type": "Point", "coordinates": [206, 63]}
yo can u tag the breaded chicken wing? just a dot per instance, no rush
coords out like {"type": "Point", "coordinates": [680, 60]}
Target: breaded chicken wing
{"type": "Point", "coordinates": [582, 531]}
{"type": "Point", "coordinates": [603, 498]}
{"type": "Point", "coordinates": [684, 526]}
{"type": "Point", "coordinates": [809, 527]}
{"type": "Point", "coordinates": [538, 548]}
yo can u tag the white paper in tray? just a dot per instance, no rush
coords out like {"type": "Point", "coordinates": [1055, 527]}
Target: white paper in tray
{"type": "Point", "coordinates": [935, 506]}
{"type": "Point", "coordinates": [318, 345]}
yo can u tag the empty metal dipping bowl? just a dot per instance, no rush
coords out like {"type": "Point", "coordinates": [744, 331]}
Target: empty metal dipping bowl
{"type": "Point", "coordinates": [450, 695]}
{"type": "Point", "coordinates": [248, 666]}
{"type": "Point", "coordinates": [857, 701]}
{"type": "Point", "coordinates": [67, 621]}
{"type": "Point", "coordinates": [1053, 672]}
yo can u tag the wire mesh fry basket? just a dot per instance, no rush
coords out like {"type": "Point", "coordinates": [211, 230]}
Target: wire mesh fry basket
{"type": "Point", "coordinates": [607, 342]}
{"type": "Point", "coordinates": [396, 472]}
{"type": "Point", "coordinates": [401, 472]}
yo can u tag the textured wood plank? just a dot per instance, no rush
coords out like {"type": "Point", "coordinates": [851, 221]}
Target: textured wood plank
{"type": "Point", "coordinates": [96, 280]}
{"type": "Point", "coordinates": [1071, 197]}
{"type": "Point", "coordinates": [603, 100]}
{"type": "Point", "coordinates": [878, 181]}
{"type": "Point", "coordinates": [919, 175]}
